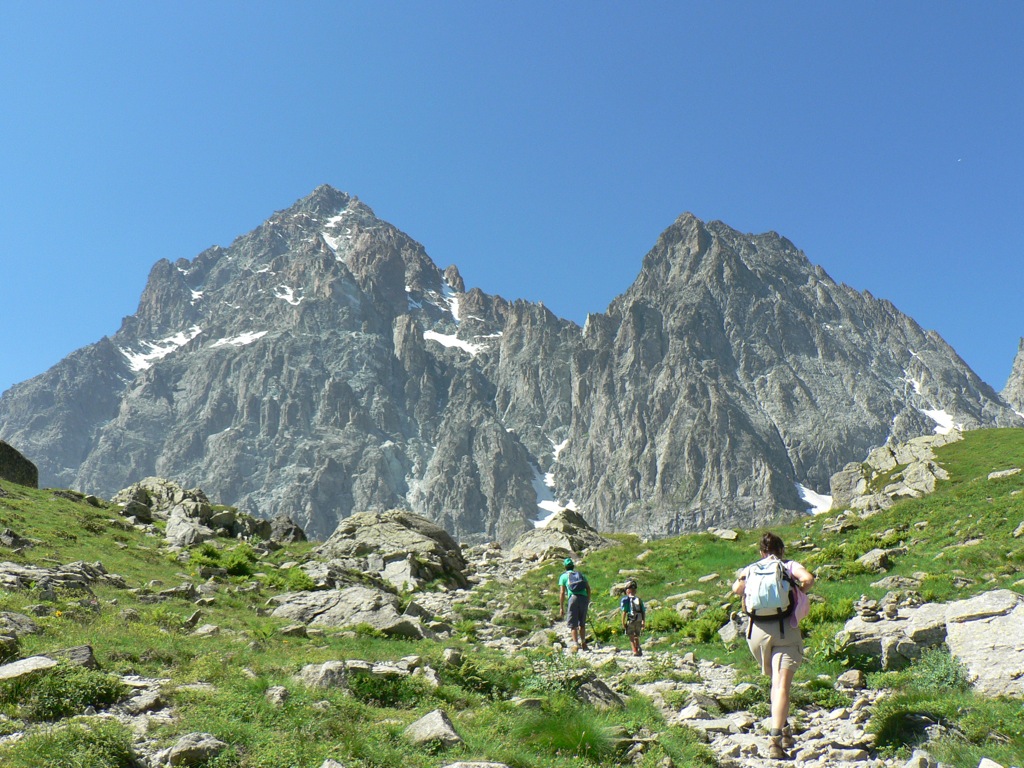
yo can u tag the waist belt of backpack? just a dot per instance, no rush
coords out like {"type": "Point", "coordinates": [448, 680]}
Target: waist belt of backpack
{"type": "Point", "coordinates": [781, 613]}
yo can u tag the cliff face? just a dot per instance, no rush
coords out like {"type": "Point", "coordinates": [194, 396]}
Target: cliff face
{"type": "Point", "coordinates": [323, 365]}
{"type": "Point", "coordinates": [733, 369]}
{"type": "Point", "coordinates": [1013, 392]}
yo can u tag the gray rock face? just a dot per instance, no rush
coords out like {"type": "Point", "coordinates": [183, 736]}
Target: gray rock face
{"type": "Point", "coordinates": [322, 365]}
{"type": "Point", "coordinates": [983, 632]}
{"type": "Point", "coordinates": [348, 608]}
{"type": "Point", "coordinates": [856, 485]}
{"type": "Point", "coordinates": [1013, 392]}
{"type": "Point", "coordinates": [406, 550]}
{"type": "Point", "coordinates": [16, 468]}
{"type": "Point", "coordinates": [566, 533]}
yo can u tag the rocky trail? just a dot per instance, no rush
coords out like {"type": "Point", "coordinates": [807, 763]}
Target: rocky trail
{"type": "Point", "coordinates": [825, 738]}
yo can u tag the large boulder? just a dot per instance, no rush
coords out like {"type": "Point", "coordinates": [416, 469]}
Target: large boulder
{"type": "Point", "coordinates": [985, 633]}
{"type": "Point", "coordinates": [404, 549]}
{"type": "Point", "coordinates": [982, 632]}
{"type": "Point", "coordinates": [433, 729]}
{"type": "Point", "coordinates": [15, 468]}
{"type": "Point", "coordinates": [566, 532]}
{"type": "Point", "coordinates": [349, 607]}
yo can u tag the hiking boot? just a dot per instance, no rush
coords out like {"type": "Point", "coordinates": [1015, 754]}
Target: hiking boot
{"type": "Point", "coordinates": [775, 750]}
{"type": "Point", "coordinates": [788, 742]}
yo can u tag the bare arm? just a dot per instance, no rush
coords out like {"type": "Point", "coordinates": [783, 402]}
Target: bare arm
{"type": "Point", "coordinates": [740, 583]}
{"type": "Point", "coordinates": [561, 599]}
{"type": "Point", "coordinates": [803, 578]}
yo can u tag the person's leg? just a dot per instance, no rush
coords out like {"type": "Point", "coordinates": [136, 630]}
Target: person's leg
{"type": "Point", "coordinates": [782, 681]}
{"type": "Point", "coordinates": [584, 605]}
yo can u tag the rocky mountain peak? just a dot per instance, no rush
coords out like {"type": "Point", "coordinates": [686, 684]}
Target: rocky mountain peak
{"type": "Point", "coordinates": [323, 365]}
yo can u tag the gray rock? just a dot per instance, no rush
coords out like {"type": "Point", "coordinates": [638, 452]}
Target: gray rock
{"type": "Point", "coordinates": [26, 667]}
{"type": "Point", "coordinates": [1013, 392]}
{"type": "Point", "coordinates": [348, 608]}
{"type": "Point", "coordinates": [195, 749]}
{"type": "Point", "coordinates": [565, 533]}
{"type": "Point", "coordinates": [598, 694]}
{"type": "Point", "coordinates": [277, 695]}
{"type": "Point", "coordinates": [17, 625]}
{"type": "Point", "coordinates": [79, 656]}
{"type": "Point", "coordinates": [405, 549]}
{"type": "Point", "coordinates": [434, 728]}
{"type": "Point", "coordinates": [329, 674]}
{"type": "Point", "coordinates": [984, 633]}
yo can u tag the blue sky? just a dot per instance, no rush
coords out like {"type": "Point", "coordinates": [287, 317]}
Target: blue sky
{"type": "Point", "coordinates": [541, 147]}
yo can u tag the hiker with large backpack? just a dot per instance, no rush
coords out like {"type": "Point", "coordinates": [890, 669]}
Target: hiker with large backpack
{"type": "Point", "coordinates": [773, 591]}
{"type": "Point", "coordinates": [573, 585]}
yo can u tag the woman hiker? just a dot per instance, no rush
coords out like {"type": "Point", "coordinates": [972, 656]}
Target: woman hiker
{"type": "Point", "coordinates": [775, 639]}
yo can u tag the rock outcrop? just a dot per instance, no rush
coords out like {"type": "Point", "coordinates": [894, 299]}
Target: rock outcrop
{"type": "Point", "coordinates": [565, 533]}
{"type": "Point", "coordinates": [351, 607]}
{"type": "Point", "coordinates": [983, 632]}
{"type": "Point", "coordinates": [404, 549]}
{"type": "Point", "coordinates": [1013, 392]}
{"type": "Point", "coordinates": [191, 519]}
{"type": "Point", "coordinates": [890, 473]}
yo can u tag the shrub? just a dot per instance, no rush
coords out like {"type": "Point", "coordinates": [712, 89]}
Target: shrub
{"type": "Point", "coordinates": [101, 744]}
{"type": "Point", "coordinates": [62, 691]}
{"type": "Point", "coordinates": [206, 554]}
{"type": "Point", "coordinates": [565, 729]}
{"type": "Point", "coordinates": [387, 691]}
{"type": "Point", "coordinates": [665, 620]}
{"type": "Point", "coordinates": [238, 562]}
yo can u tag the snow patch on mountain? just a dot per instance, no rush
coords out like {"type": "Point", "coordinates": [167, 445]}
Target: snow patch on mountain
{"type": "Point", "coordinates": [241, 340]}
{"type": "Point", "coordinates": [155, 350]}
{"type": "Point", "coordinates": [818, 503]}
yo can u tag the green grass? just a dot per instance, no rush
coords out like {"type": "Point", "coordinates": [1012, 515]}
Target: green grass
{"type": "Point", "coordinates": [362, 728]}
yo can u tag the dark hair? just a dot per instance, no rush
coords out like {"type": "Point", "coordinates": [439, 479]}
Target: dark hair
{"type": "Point", "coordinates": [772, 545]}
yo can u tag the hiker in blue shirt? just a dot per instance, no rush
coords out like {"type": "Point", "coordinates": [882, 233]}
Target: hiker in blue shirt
{"type": "Point", "coordinates": [574, 585]}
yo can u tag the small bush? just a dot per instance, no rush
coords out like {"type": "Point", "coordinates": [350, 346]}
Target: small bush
{"type": "Point", "coordinates": [665, 620]}
{"type": "Point", "coordinates": [238, 562]}
{"type": "Point", "coordinates": [60, 692]}
{"type": "Point", "coordinates": [205, 555]}
{"type": "Point", "coordinates": [101, 744]}
{"type": "Point", "coordinates": [385, 691]}
{"type": "Point", "coordinates": [565, 729]}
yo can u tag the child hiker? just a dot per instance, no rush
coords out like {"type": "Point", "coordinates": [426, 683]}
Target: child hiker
{"type": "Point", "coordinates": [634, 616]}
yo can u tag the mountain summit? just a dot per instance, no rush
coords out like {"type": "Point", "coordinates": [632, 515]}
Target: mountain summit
{"type": "Point", "coordinates": [322, 365]}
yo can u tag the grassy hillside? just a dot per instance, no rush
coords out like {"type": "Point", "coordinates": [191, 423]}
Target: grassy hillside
{"type": "Point", "coordinates": [960, 538]}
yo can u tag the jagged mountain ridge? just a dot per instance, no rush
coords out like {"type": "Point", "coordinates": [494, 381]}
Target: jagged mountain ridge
{"type": "Point", "coordinates": [323, 364]}
{"type": "Point", "coordinates": [1013, 392]}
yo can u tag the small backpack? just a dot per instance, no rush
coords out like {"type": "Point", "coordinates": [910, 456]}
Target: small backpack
{"type": "Point", "coordinates": [768, 592]}
{"type": "Point", "coordinates": [577, 582]}
{"type": "Point", "coordinates": [632, 606]}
